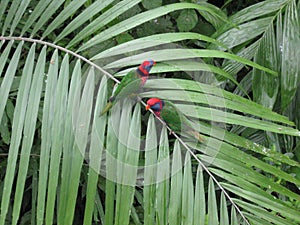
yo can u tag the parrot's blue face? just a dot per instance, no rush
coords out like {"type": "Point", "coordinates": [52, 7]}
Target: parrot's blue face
{"type": "Point", "coordinates": [156, 107]}
{"type": "Point", "coordinates": [148, 65]}
{"type": "Point", "coordinates": [155, 104]}
{"type": "Point", "coordinates": [145, 67]}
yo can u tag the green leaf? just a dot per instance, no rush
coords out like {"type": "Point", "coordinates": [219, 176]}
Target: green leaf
{"type": "Point", "coordinates": [64, 14]}
{"type": "Point", "coordinates": [4, 4]}
{"type": "Point", "coordinates": [212, 204]}
{"type": "Point", "coordinates": [254, 12]}
{"type": "Point", "coordinates": [210, 101]}
{"type": "Point", "coordinates": [284, 210]}
{"type": "Point", "coordinates": [57, 137]}
{"type": "Point", "coordinates": [9, 74]}
{"type": "Point", "coordinates": [130, 167]}
{"type": "Point", "coordinates": [29, 127]}
{"type": "Point", "coordinates": [154, 40]}
{"type": "Point", "coordinates": [163, 173]}
{"type": "Point", "coordinates": [211, 114]}
{"type": "Point", "coordinates": [231, 155]}
{"type": "Point", "coordinates": [104, 19]}
{"type": "Point", "coordinates": [86, 15]}
{"type": "Point", "coordinates": [34, 191]}
{"type": "Point", "coordinates": [233, 67]}
{"type": "Point", "coordinates": [21, 9]}
{"type": "Point", "coordinates": [124, 37]}
{"type": "Point", "coordinates": [10, 14]}
{"type": "Point", "coordinates": [68, 145]}
{"type": "Point", "coordinates": [17, 128]}
{"type": "Point", "coordinates": [289, 49]}
{"type": "Point", "coordinates": [52, 7]}
{"type": "Point", "coordinates": [150, 172]}
{"type": "Point", "coordinates": [4, 131]}
{"type": "Point", "coordinates": [140, 19]}
{"type": "Point", "coordinates": [39, 9]}
{"type": "Point", "coordinates": [225, 98]}
{"type": "Point", "coordinates": [243, 33]}
{"type": "Point", "coordinates": [265, 86]}
{"type": "Point", "coordinates": [187, 20]}
{"type": "Point", "coordinates": [257, 10]}
{"type": "Point", "coordinates": [95, 152]}
{"type": "Point", "coordinates": [251, 161]}
{"type": "Point", "coordinates": [216, 21]}
{"type": "Point", "coordinates": [258, 215]}
{"type": "Point", "coordinates": [172, 54]}
{"type": "Point", "coordinates": [175, 210]}
{"type": "Point", "coordinates": [224, 220]}
{"type": "Point", "coordinates": [121, 178]}
{"type": "Point", "coordinates": [46, 137]}
{"type": "Point", "coordinates": [235, 167]}
{"type": "Point", "coordinates": [82, 126]}
{"type": "Point", "coordinates": [151, 4]}
{"type": "Point", "coordinates": [199, 203]}
{"type": "Point", "coordinates": [186, 66]}
{"type": "Point", "coordinates": [187, 192]}
{"type": "Point", "coordinates": [4, 56]}
{"type": "Point", "coordinates": [111, 163]}
{"type": "Point", "coordinates": [234, 219]}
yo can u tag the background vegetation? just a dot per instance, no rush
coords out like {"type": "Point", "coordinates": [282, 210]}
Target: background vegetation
{"type": "Point", "coordinates": [231, 66]}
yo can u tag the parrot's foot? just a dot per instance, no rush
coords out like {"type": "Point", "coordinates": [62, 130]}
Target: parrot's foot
{"type": "Point", "coordinates": [133, 96]}
{"type": "Point", "coordinates": [197, 135]}
{"type": "Point", "coordinates": [112, 98]}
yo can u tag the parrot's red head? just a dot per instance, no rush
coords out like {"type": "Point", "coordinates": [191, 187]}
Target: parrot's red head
{"type": "Point", "coordinates": [156, 105]}
{"type": "Point", "coordinates": [145, 67]}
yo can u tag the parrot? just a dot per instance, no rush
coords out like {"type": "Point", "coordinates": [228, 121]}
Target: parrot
{"type": "Point", "coordinates": [174, 118]}
{"type": "Point", "coordinates": [131, 84]}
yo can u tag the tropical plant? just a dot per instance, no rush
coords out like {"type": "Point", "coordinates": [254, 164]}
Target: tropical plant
{"type": "Point", "coordinates": [61, 163]}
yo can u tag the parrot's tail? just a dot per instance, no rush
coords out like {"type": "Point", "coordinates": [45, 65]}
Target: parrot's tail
{"type": "Point", "coordinates": [196, 135]}
{"type": "Point", "coordinates": [106, 108]}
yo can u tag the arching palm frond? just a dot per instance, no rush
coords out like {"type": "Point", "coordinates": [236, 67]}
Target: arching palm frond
{"type": "Point", "coordinates": [63, 164]}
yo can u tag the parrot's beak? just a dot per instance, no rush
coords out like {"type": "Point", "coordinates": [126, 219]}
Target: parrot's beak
{"type": "Point", "coordinates": [148, 107]}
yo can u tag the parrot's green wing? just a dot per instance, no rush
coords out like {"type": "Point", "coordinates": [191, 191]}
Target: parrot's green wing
{"type": "Point", "coordinates": [129, 85]}
{"type": "Point", "coordinates": [173, 117]}
{"type": "Point", "coordinates": [177, 121]}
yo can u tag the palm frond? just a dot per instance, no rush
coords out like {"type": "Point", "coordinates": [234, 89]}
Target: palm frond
{"type": "Point", "coordinates": [144, 17]}
{"type": "Point", "coordinates": [95, 153]}
{"type": "Point", "coordinates": [29, 129]}
{"type": "Point", "coordinates": [62, 109]}
{"type": "Point", "coordinates": [288, 48]}
{"type": "Point", "coordinates": [16, 130]}
{"type": "Point", "coordinates": [65, 101]}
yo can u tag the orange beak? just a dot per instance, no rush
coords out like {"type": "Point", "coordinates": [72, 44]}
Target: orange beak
{"type": "Point", "coordinates": [148, 107]}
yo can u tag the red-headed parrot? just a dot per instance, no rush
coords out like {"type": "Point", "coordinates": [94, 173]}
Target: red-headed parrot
{"type": "Point", "coordinates": [131, 84]}
{"type": "Point", "coordinates": [174, 118]}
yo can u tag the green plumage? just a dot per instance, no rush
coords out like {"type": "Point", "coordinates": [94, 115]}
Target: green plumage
{"type": "Point", "coordinates": [129, 87]}
{"type": "Point", "coordinates": [175, 119]}
{"type": "Point", "coordinates": [130, 84]}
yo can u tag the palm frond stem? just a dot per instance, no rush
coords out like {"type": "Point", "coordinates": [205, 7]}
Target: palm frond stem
{"type": "Point", "coordinates": [61, 49]}
{"type": "Point", "coordinates": [25, 39]}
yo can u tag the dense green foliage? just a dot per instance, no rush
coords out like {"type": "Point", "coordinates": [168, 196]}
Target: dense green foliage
{"type": "Point", "coordinates": [232, 67]}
